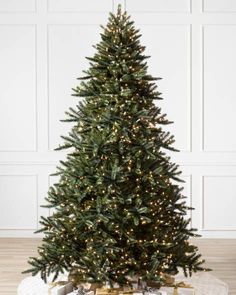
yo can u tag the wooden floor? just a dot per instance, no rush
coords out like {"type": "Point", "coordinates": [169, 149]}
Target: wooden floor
{"type": "Point", "coordinates": [220, 256]}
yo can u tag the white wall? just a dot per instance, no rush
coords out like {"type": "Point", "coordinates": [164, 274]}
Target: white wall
{"type": "Point", "coordinates": [43, 45]}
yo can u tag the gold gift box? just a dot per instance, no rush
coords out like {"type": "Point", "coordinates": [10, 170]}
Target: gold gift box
{"type": "Point", "coordinates": [127, 292]}
{"type": "Point", "coordinates": [108, 291]}
{"type": "Point", "coordinates": [178, 288]}
{"type": "Point", "coordinates": [116, 291]}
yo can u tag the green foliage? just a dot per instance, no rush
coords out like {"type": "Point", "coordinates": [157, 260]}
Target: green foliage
{"type": "Point", "coordinates": [118, 211]}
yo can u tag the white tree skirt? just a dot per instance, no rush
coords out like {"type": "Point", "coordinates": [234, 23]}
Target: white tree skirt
{"type": "Point", "coordinates": [203, 282]}
{"type": "Point", "coordinates": [36, 286]}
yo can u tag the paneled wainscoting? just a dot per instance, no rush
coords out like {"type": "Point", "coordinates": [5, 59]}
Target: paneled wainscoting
{"type": "Point", "coordinates": [191, 43]}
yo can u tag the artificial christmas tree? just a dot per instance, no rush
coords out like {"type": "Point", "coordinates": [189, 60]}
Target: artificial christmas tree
{"type": "Point", "coordinates": [119, 213]}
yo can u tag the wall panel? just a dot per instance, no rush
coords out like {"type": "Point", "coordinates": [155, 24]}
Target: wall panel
{"type": "Point", "coordinates": [66, 60]}
{"type": "Point", "coordinates": [79, 5]}
{"type": "Point", "coordinates": [174, 67]}
{"type": "Point", "coordinates": [159, 6]}
{"type": "Point", "coordinates": [219, 202]}
{"type": "Point", "coordinates": [18, 210]}
{"type": "Point", "coordinates": [219, 5]}
{"type": "Point", "coordinates": [219, 104]}
{"type": "Point", "coordinates": [18, 88]}
{"type": "Point", "coordinates": [17, 6]}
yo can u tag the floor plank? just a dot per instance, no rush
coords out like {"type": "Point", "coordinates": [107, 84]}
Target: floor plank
{"type": "Point", "coordinates": [220, 255]}
{"type": "Point", "coordinates": [14, 253]}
